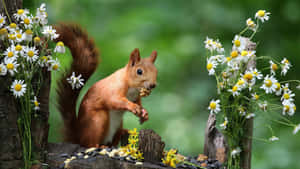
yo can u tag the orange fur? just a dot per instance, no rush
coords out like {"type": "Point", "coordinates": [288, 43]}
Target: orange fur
{"type": "Point", "coordinates": [99, 121]}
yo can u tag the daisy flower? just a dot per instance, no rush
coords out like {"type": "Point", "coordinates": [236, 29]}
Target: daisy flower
{"type": "Point", "coordinates": [36, 103]}
{"type": "Point", "coordinates": [30, 53]}
{"type": "Point", "coordinates": [263, 105]}
{"type": "Point", "coordinates": [37, 40]}
{"type": "Point", "coordinates": [218, 46]}
{"type": "Point", "coordinates": [49, 32]}
{"type": "Point", "coordinates": [241, 83]}
{"type": "Point", "coordinates": [53, 65]}
{"type": "Point", "coordinates": [245, 56]}
{"type": "Point", "coordinates": [209, 44]}
{"type": "Point", "coordinates": [262, 15]}
{"type": "Point", "coordinates": [214, 106]}
{"type": "Point", "coordinates": [224, 124]}
{"type": "Point", "coordinates": [269, 84]}
{"type": "Point", "coordinates": [273, 67]}
{"type": "Point", "coordinates": [217, 58]}
{"type": "Point", "coordinates": [27, 35]}
{"type": "Point", "coordinates": [273, 138]}
{"type": "Point", "coordinates": [43, 61]}
{"type": "Point", "coordinates": [248, 77]}
{"type": "Point", "coordinates": [12, 27]}
{"type": "Point", "coordinates": [285, 87]}
{"type": "Point", "coordinates": [18, 88]}
{"type": "Point", "coordinates": [60, 47]}
{"type": "Point", "coordinates": [11, 66]}
{"type": "Point", "coordinates": [236, 152]}
{"type": "Point", "coordinates": [19, 49]}
{"type": "Point", "coordinates": [27, 21]}
{"type": "Point", "coordinates": [211, 65]}
{"type": "Point", "coordinates": [12, 38]}
{"type": "Point", "coordinates": [21, 14]}
{"type": "Point", "coordinates": [75, 82]}
{"type": "Point", "coordinates": [288, 108]}
{"type": "Point", "coordinates": [285, 66]}
{"type": "Point", "coordinates": [287, 96]}
{"type": "Point", "coordinates": [234, 54]}
{"type": "Point", "coordinates": [239, 43]}
{"type": "Point", "coordinates": [251, 24]}
{"type": "Point", "coordinates": [234, 90]}
{"type": "Point", "coordinates": [2, 20]}
{"type": "Point", "coordinates": [255, 96]}
{"type": "Point", "coordinates": [278, 89]}
{"type": "Point", "coordinates": [41, 14]}
{"type": "Point", "coordinates": [3, 70]}
{"type": "Point", "coordinates": [256, 73]}
{"type": "Point", "coordinates": [296, 129]}
{"type": "Point", "coordinates": [10, 53]}
{"type": "Point", "coordinates": [19, 35]}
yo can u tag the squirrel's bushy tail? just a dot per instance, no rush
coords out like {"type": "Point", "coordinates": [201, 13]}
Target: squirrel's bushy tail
{"type": "Point", "coordinates": [85, 61]}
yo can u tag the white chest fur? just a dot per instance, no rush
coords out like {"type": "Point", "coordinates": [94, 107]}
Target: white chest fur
{"type": "Point", "coordinates": [116, 116]}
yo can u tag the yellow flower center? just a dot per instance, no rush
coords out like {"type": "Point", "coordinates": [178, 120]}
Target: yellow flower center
{"type": "Point", "coordinates": [294, 108]}
{"type": "Point", "coordinates": [209, 66]}
{"type": "Point", "coordinates": [44, 58]}
{"type": "Point", "coordinates": [234, 54]}
{"type": "Point", "coordinates": [55, 67]}
{"type": "Point", "coordinates": [10, 54]}
{"type": "Point", "coordinates": [1, 20]}
{"type": "Point", "coordinates": [248, 76]}
{"type": "Point", "coordinates": [28, 32]}
{"type": "Point", "coordinates": [287, 108]}
{"type": "Point", "coordinates": [19, 36]}
{"type": "Point", "coordinates": [37, 39]}
{"type": "Point", "coordinates": [240, 82]}
{"type": "Point", "coordinates": [228, 59]}
{"type": "Point", "coordinates": [250, 23]}
{"type": "Point", "coordinates": [244, 53]}
{"type": "Point", "coordinates": [60, 43]}
{"type": "Point", "coordinates": [30, 53]}
{"type": "Point", "coordinates": [261, 13]}
{"type": "Point", "coordinates": [26, 21]}
{"type": "Point", "coordinates": [286, 96]}
{"type": "Point", "coordinates": [36, 103]}
{"type": "Point", "coordinates": [235, 88]}
{"type": "Point", "coordinates": [213, 105]}
{"type": "Point", "coordinates": [237, 43]}
{"type": "Point", "coordinates": [277, 86]}
{"type": "Point", "coordinates": [255, 73]}
{"type": "Point", "coordinates": [274, 66]}
{"type": "Point", "coordinates": [268, 83]}
{"type": "Point", "coordinates": [20, 11]}
{"type": "Point", "coordinates": [256, 97]}
{"type": "Point", "coordinates": [286, 61]}
{"type": "Point", "coordinates": [10, 66]}
{"type": "Point", "coordinates": [13, 25]}
{"type": "Point", "coordinates": [12, 37]}
{"type": "Point", "coordinates": [3, 31]}
{"type": "Point", "coordinates": [18, 87]}
{"type": "Point", "coordinates": [18, 48]}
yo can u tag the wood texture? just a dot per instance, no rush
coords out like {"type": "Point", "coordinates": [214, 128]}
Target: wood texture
{"type": "Point", "coordinates": [151, 145]}
{"type": "Point", "coordinates": [248, 128]}
{"type": "Point", "coordinates": [215, 145]}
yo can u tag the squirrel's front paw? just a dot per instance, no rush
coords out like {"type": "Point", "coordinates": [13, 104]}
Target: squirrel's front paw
{"type": "Point", "coordinates": [144, 116]}
{"type": "Point", "coordinates": [136, 109]}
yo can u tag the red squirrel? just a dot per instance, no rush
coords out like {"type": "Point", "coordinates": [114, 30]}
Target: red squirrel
{"type": "Point", "coordinates": [100, 116]}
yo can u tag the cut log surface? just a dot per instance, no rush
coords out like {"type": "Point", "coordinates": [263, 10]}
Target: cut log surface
{"type": "Point", "coordinates": [59, 152]}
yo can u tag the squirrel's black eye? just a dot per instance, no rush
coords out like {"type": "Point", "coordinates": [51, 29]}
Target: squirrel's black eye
{"type": "Point", "coordinates": [139, 71]}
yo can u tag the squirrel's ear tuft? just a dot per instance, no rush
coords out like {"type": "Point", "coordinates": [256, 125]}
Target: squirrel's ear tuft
{"type": "Point", "coordinates": [134, 57]}
{"type": "Point", "coordinates": [153, 56]}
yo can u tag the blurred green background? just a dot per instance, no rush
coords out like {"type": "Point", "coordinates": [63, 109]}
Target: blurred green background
{"type": "Point", "coordinates": [176, 29]}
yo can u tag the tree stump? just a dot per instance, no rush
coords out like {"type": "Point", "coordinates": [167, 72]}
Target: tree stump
{"type": "Point", "coordinates": [215, 145]}
{"type": "Point", "coordinates": [151, 145]}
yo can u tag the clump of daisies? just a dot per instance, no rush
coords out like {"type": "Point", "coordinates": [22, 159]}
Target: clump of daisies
{"type": "Point", "coordinates": [28, 52]}
{"type": "Point", "coordinates": [246, 91]}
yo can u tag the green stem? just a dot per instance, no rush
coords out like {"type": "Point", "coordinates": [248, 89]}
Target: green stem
{"type": "Point", "coordinates": [4, 5]}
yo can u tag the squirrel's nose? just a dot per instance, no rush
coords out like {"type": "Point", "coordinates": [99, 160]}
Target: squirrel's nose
{"type": "Point", "coordinates": [152, 86]}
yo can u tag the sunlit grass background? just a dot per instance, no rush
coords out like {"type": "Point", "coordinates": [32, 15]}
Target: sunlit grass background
{"type": "Point", "coordinates": [177, 29]}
